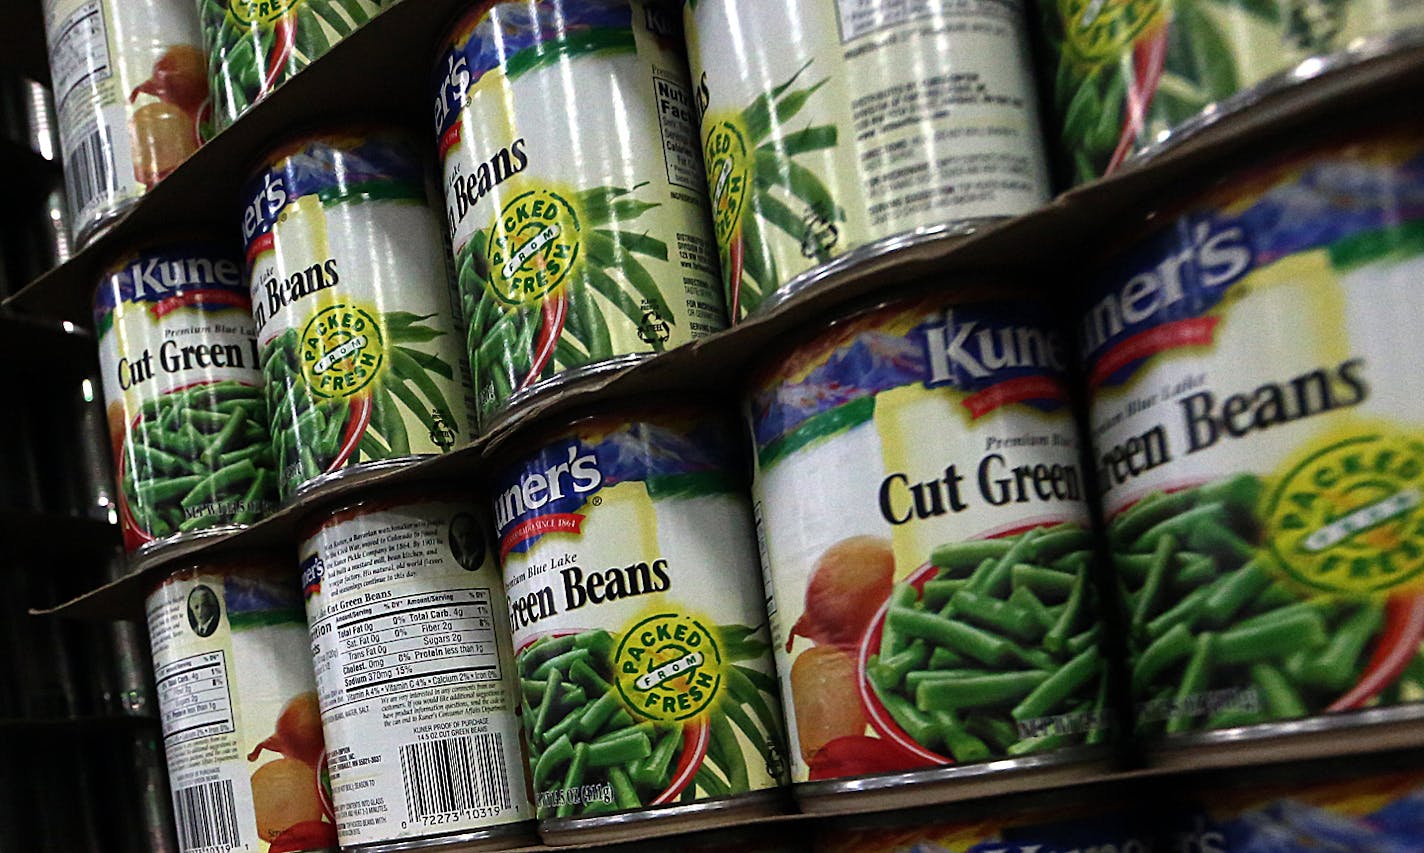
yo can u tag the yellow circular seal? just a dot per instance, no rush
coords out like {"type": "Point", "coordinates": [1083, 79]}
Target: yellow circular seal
{"type": "Point", "coordinates": [342, 350]}
{"type": "Point", "coordinates": [260, 11]}
{"type": "Point", "coordinates": [726, 155]}
{"type": "Point", "coordinates": [533, 248]}
{"type": "Point", "coordinates": [1349, 517]}
{"type": "Point", "coordinates": [669, 667]}
{"type": "Point", "coordinates": [1100, 30]}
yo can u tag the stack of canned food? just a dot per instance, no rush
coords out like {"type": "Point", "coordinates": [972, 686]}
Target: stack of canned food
{"type": "Point", "coordinates": [883, 587]}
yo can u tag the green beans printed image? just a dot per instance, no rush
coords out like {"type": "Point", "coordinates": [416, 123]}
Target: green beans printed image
{"type": "Point", "coordinates": [254, 47]}
{"type": "Point", "coordinates": [514, 347]}
{"type": "Point", "coordinates": [1217, 640]}
{"type": "Point", "coordinates": [313, 435]}
{"type": "Point", "coordinates": [992, 649]}
{"type": "Point", "coordinates": [757, 186]}
{"type": "Point", "coordinates": [198, 458]}
{"type": "Point", "coordinates": [591, 754]}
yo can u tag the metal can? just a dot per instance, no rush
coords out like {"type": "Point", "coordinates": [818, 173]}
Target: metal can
{"type": "Point", "coordinates": [178, 361]}
{"type": "Point", "coordinates": [238, 704]}
{"type": "Point", "coordinates": [409, 629]}
{"type": "Point", "coordinates": [925, 534]}
{"type": "Point", "coordinates": [580, 231]}
{"type": "Point", "coordinates": [357, 317]}
{"type": "Point", "coordinates": [254, 46]}
{"type": "Point", "coordinates": [1260, 450]}
{"type": "Point", "coordinates": [129, 86]}
{"type": "Point", "coordinates": [1134, 77]}
{"type": "Point", "coordinates": [889, 124]}
{"type": "Point", "coordinates": [639, 631]}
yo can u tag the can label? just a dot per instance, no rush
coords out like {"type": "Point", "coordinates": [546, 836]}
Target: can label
{"type": "Point", "coordinates": [639, 629]}
{"type": "Point", "coordinates": [238, 705]}
{"type": "Point", "coordinates": [357, 319]}
{"type": "Point", "coordinates": [254, 46]}
{"type": "Point", "coordinates": [889, 117]}
{"type": "Point", "coordinates": [187, 419]}
{"type": "Point", "coordinates": [1057, 830]}
{"type": "Point", "coordinates": [572, 254]}
{"type": "Point", "coordinates": [1129, 72]}
{"type": "Point", "coordinates": [931, 599]}
{"type": "Point", "coordinates": [129, 86]}
{"type": "Point", "coordinates": [410, 635]}
{"type": "Point", "coordinates": [1260, 448]}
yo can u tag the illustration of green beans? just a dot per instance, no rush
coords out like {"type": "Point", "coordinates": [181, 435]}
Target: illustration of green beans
{"type": "Point", "coordinates": [247, 60]}
{"type": "Point", "coordinates": [1217, 641]}
{"type": "Point", "coordinates": [783, 195]}
{"type": "Point", "coordinates": [309, 432]}
{"type": "Point", "coordinates": [581, 736]}
{"type": "Point", "coordinates": [997, 652]}
{"type": "Point", "coordinates": [199, 457]}
{"type": "Point", "coordinates": [610, 279]}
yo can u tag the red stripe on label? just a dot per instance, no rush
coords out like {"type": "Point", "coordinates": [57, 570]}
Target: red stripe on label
{"type": "Point", "coordinates": [228, 298]}
{"type": "Point", "coordinates": [1013, 391]}
{"type": "Point", "coordinates": [562, 522]}
{"type": "Point", "coordinates": [450, 138]}
{"type": "Point", "coordinates": [1196, 332]}
{"type": "Point", "coordinates": [258, 246]}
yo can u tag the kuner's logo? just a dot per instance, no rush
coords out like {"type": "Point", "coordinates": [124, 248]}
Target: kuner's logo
{"type": "Point", "coordinates": [1159, 308]}
{"type": "Point", "coordinates": [264, 205]}
{"type": "Point", "coordinates": [969, 350]}
{"type": "Point", "coordinates": [537, 489]}
{"type": "Point", "coordinates": [155, 278]}
{"type": "Point", "coordinates": [998, 363]}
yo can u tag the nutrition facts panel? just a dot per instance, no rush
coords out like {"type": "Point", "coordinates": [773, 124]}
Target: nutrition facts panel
{"type": "Point", "coordinates": [193, 693]}
{"type": "Point", "coordinates": [410, 643]}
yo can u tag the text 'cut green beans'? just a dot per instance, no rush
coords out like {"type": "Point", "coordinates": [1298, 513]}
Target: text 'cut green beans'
{"type": "Point", "coordinates": [995, 651]}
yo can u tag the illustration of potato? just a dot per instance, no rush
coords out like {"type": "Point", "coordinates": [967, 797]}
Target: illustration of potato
{"type": "Point", "coordinates": [163, 137]}
{"type": "Point", "coordinates": [849, 583]}
{"type": "Point", "coordinates": [824, 697]}
{"type": "Point", "coordinates": [298, 732]}
{"type": "Point", "coordinates": [284, 795]}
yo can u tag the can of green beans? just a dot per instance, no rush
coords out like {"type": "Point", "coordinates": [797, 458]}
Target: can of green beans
{"type": "Point", "coordinates": [358, 323]}
{"type": "Point", "coordinates": [129, 91]}
{"type": "Point", "coordinates": [1132, 78]}
{"type": "Point", "coordinates": [254, 46]}
{"type": "Point", "coordinates": [891, 123]}
{"type": "Point", "coordinates": [932, 597]}
{"type": "Point", "coordinates": [574, 191]}
{"type": "Point", "coordinates": [410, 633]}
{"type": "Point", "coordinates": [1261, 448]}
{"type": "Point", "coordinates": [640, 635]}
{"type": "Point", "coordinates": [186, 414]}
{"type": "Point", "coordinates": [241, 730]}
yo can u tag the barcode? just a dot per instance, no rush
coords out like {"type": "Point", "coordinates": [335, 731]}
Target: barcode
{"type": "Point", "coordinates": [207, 818]}
{"type": "Point", "coordinates": [89, 169]}
{"type": "Point", "coordinates": [455, 776]}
